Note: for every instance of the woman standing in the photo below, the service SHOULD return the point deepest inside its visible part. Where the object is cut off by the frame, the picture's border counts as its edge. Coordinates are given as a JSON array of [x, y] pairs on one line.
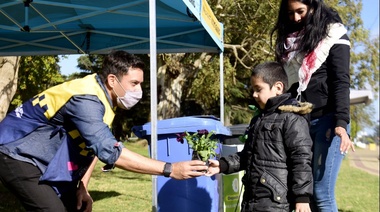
[[313, 46]]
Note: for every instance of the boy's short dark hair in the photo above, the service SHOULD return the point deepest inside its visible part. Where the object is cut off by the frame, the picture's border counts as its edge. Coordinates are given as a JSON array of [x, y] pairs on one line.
[[270, 73], [118, 62]]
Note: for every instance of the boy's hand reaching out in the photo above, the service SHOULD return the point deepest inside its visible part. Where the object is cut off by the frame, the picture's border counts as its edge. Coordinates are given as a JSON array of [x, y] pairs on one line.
[[213, 168]]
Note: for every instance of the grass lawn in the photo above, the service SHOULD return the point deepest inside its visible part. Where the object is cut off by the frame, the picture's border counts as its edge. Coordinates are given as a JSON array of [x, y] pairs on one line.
[[121, 190], [118, 190], [356, 190]]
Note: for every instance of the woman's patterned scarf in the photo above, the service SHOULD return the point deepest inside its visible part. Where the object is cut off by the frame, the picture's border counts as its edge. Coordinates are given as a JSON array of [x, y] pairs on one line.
[[300, 68]]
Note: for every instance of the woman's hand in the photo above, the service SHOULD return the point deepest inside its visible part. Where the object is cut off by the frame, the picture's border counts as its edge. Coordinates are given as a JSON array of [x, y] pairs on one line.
[[345, 143]]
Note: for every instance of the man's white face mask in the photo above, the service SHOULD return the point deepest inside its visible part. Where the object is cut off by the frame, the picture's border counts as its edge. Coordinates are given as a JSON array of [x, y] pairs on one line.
[[130, 98]]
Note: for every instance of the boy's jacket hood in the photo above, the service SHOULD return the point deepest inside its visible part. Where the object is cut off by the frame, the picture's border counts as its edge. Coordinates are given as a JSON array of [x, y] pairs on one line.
[[302, 108], [285, 103]]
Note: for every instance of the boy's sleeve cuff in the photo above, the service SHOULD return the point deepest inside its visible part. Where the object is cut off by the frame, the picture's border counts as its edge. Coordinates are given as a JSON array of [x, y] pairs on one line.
[[223, 165], [303, 199]]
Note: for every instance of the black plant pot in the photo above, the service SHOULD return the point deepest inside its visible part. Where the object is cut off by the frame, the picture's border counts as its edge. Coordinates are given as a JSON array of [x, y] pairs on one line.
[[197, 156]]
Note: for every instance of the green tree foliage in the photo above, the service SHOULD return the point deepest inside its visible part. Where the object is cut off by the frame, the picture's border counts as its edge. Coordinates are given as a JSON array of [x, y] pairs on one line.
[[247, 26], [247, 29], [361, 118], [36, 74], [87, 64], [364, 49], [188, 84], [90, 63], [206, 92], [193, 79], [376, 133], [364, 70]]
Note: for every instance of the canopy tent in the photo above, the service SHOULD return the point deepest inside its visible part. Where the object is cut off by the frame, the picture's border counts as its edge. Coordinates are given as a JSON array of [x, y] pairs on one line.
[[43, 27], [59, 27]]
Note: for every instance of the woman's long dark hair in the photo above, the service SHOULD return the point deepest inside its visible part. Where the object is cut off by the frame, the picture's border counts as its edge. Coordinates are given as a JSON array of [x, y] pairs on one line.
[[318, 17]]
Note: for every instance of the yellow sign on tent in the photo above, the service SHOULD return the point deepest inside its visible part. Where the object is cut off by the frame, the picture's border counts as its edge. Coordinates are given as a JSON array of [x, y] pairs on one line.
[[210, 19]]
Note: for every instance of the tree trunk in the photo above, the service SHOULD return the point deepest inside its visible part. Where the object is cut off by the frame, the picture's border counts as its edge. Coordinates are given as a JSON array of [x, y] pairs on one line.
[[174, 78], [8, 82], [170, 94]]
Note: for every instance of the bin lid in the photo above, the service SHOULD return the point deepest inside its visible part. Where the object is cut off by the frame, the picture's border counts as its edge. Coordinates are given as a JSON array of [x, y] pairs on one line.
[[238, 129], [182, 124]]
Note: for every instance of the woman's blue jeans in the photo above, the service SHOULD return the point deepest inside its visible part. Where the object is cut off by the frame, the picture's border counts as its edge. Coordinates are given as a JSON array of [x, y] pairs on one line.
[[327, 159]]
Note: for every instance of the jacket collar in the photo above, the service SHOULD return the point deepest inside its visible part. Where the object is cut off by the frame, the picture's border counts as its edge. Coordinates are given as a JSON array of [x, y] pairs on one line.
[[104, 89], [285, 103]]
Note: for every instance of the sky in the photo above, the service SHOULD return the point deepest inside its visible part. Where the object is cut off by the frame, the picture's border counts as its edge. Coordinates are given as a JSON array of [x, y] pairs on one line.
[[370, 17]]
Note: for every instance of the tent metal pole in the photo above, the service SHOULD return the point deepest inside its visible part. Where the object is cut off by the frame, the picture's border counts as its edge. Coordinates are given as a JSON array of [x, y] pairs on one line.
[[26, 25], [153, 94], [221, 74]]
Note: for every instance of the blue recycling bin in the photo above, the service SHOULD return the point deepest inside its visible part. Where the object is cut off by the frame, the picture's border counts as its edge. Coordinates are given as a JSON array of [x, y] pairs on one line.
[[199, 194]]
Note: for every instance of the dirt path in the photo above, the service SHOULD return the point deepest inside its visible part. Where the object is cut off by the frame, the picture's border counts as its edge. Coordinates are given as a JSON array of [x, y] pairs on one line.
[[365, 159]]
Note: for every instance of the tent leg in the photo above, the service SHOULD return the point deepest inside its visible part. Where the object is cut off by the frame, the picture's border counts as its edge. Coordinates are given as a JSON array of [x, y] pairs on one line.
[[153, 91], [221, 69]]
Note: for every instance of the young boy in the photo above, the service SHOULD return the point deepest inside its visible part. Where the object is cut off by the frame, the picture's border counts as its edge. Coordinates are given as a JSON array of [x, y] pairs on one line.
[[277, 154]]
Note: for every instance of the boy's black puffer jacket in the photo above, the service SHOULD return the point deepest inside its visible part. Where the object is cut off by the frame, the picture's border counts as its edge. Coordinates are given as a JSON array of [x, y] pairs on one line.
[[276, 157]]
